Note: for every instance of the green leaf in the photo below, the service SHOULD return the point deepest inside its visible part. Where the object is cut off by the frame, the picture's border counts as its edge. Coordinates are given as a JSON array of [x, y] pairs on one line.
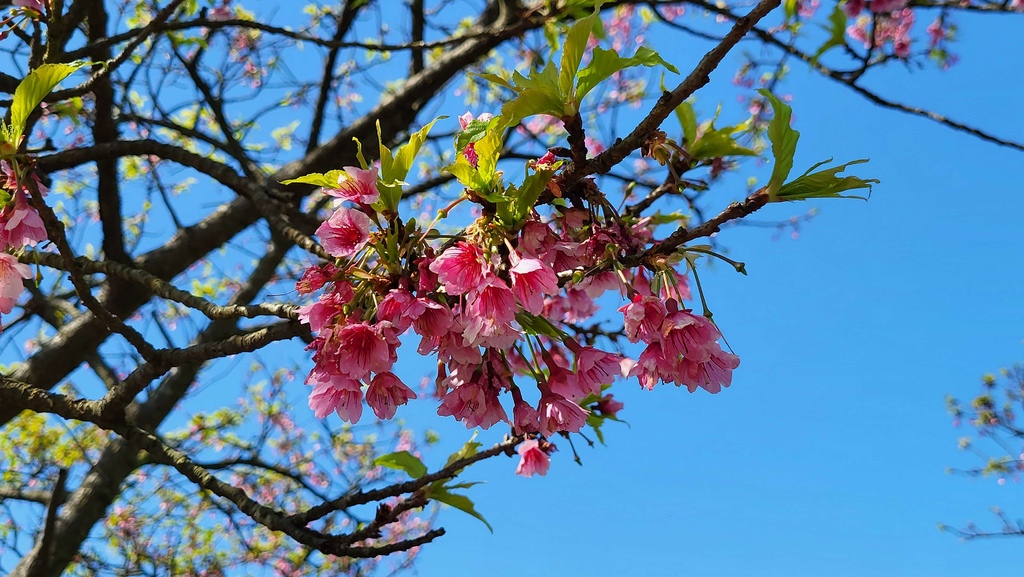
[[608, 62], [31, 91], [386, 158], [487, 150], [783, 139], [537, 95], [402, 461], [536, 325], [461, 502], [715, 143], [474, 131], [495, 79], [359, 154], [572, 53], [531, 103], [464, 172], [688, 121], [472, 447], [406, 154], [595, 422], [519, 201], [837, 30], [789, 9], [326, 180], [825, 183]]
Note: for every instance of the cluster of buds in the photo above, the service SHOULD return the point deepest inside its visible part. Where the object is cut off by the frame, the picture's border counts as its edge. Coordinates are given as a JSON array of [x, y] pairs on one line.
[[500, 307]]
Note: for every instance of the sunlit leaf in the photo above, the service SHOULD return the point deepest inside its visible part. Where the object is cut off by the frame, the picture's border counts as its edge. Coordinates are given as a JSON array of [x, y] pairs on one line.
[[608, 62], [783, 139], [825, 183], [463, 503], [402, 461], [31, 91]]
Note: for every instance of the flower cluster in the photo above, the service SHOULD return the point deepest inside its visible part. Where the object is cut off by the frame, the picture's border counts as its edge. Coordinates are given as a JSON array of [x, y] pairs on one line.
[[500, 306], [20, 226]]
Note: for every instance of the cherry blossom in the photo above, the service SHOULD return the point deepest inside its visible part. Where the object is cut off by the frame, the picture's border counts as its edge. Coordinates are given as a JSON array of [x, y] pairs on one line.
[[345, 233]]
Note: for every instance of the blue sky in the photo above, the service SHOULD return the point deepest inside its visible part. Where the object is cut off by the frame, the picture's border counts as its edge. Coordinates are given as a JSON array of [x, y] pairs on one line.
[[827, 455]]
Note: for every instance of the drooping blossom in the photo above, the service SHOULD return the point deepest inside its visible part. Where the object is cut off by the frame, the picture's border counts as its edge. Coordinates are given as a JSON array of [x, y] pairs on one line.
[[473, 404], [642, 318], [357, 185], [315, 277], [686, 335], [558, 413], [345, 233], [434, 321], [11, 286], [594, 367], [609, 407], [20, 224], [652, 367], [385, 393], [563, 381], [362, 348], [524, 417], [336, 393], [710, 373], [490, 312], [400, 308], [460, 268], [531, 280], [328, 307], [534, 461]]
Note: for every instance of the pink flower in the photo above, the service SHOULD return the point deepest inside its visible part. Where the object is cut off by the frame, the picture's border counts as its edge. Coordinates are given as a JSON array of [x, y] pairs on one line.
[[534, 460], [853, 7], [643, 318], [687, 335], [536, 238], [491, 310], [328, 307], [220, 13], [886, 6], [558, 413], [338, 394], [345, 233], [427, 281], [451, 346], [11, 286], [461, 268], [357, 185], [580, 306], [474, 405], [652, 366], [594, 367], [435, 320], [20, 224], [531, 280], [37, 5], [362, 349], [710, 373], [315, 277], [386, 393], [564, 382], [400, 308], [524, 417], [609, 407]]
